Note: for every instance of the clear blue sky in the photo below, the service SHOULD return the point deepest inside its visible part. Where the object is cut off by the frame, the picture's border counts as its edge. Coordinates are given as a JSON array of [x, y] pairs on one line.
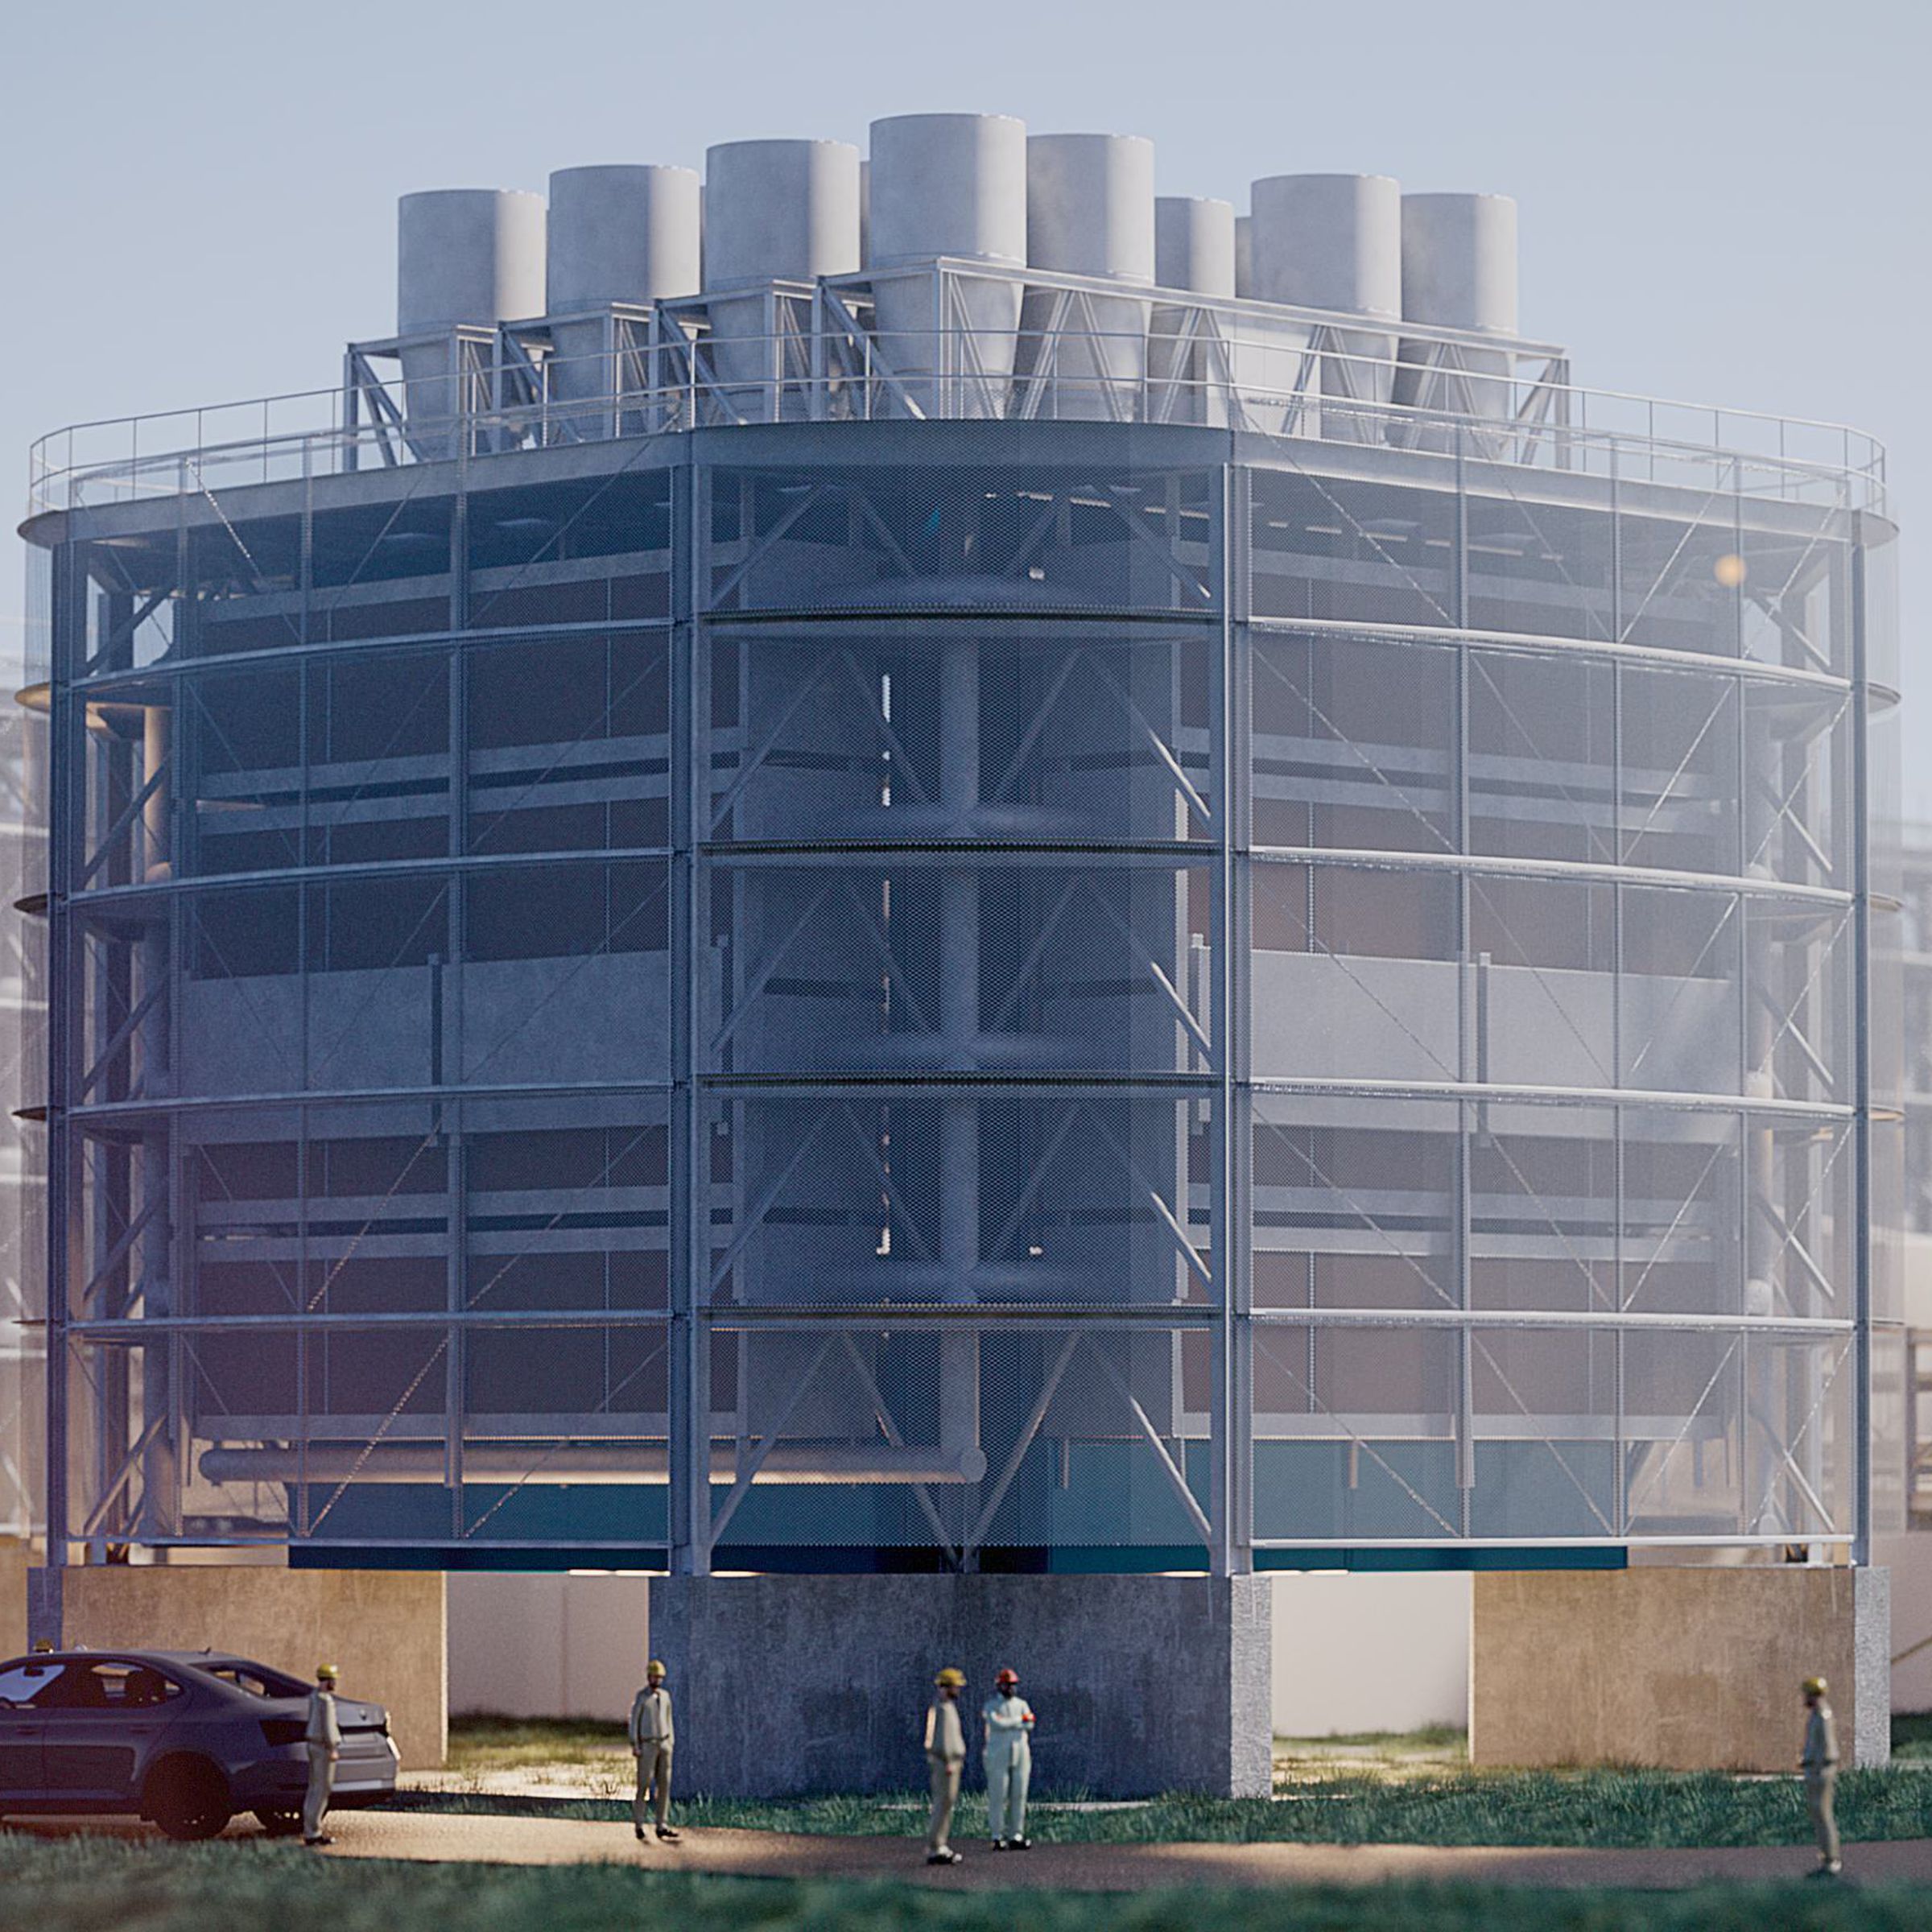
[[1722, 199]]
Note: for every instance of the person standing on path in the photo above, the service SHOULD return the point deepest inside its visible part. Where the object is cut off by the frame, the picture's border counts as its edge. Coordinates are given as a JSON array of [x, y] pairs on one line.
[[1818, 1761], [323, 1735], [945, 1759], [652, 1737], [1006, 1720]]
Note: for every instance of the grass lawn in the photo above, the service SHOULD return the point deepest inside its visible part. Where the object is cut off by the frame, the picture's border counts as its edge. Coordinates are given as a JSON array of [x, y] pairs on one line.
[[512, 1744], [1408, 1788], [91, 1884]]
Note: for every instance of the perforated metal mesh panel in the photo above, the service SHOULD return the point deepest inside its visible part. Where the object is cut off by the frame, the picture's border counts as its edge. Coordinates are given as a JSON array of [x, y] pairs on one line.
[[1020, 993]]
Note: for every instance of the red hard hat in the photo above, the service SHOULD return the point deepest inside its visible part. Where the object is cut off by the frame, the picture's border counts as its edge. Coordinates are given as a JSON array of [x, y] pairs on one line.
[[1007, 1677]]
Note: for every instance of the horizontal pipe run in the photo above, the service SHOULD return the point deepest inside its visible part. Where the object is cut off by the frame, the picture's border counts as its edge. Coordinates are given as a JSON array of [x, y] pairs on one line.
[[575, 1463]]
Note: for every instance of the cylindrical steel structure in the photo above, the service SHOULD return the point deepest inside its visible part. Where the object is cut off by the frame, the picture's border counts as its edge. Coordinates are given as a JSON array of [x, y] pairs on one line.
[[624, 233], [468, 255], [1459, 272], [1334, 242], [954, 186], [1020, 993], [1459, 262], [774, 211], [1188, 362], [1194, 245], [1330, 242], [465, 257], [1089, 212], [621, 234]]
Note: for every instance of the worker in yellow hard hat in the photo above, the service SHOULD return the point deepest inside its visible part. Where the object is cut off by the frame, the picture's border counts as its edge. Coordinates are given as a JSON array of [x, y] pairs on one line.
[[1818, 1761], [945, 1759], [652, 1736], [323, 1737]]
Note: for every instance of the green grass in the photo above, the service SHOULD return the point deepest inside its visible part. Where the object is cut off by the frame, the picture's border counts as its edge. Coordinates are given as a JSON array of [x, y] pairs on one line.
[[91, 1884], [510, 1743], [1432, 1738], [1912, 1737], [1595, 1808]]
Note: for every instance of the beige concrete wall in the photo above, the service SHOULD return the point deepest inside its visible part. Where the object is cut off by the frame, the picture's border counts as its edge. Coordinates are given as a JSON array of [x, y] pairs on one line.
[[1909, 1559], [14, 1559], [1370, 1652], [1694, 1669], [531, 1645], [385, 1628]]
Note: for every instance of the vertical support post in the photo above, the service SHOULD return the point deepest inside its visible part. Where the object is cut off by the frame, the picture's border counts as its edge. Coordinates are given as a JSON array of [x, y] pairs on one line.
[[1469, 1020], [1861, 1033], [1230, 1505], [689, 1448], [447, 1014], [67, 776]]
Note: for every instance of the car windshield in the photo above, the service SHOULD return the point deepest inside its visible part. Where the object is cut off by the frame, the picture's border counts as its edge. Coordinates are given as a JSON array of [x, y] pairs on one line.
[[256, 1680]]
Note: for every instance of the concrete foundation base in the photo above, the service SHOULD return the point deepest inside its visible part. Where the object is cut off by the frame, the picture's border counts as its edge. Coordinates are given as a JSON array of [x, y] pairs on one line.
[[385, 1628], [1691, 1669], [14, 1567], [786, 1686]]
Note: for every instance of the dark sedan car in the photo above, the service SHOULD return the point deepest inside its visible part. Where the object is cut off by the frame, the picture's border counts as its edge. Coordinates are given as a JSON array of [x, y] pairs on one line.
[[185, 1738]]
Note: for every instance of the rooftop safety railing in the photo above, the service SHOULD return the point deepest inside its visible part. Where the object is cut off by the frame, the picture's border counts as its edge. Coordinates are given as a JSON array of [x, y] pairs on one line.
[[955, 342]]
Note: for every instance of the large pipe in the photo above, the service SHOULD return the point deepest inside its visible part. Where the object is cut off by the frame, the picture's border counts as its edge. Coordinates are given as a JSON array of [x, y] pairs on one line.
[[465, 257], [774, 211], [948, 185], [1334, 242], [617, 234], [1459, 271], [1187, 368], [1089, 212], [787, 1463]]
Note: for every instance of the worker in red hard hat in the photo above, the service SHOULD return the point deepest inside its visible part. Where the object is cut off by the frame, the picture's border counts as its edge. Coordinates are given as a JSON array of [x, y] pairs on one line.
[[1006, 1720]]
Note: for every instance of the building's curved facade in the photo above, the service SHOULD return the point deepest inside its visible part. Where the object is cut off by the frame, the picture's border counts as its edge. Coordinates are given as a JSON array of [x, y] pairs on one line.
[[1039, 994]]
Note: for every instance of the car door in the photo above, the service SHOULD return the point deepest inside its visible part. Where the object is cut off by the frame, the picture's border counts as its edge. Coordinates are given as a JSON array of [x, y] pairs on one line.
[[101, 1722], [20, 1727]]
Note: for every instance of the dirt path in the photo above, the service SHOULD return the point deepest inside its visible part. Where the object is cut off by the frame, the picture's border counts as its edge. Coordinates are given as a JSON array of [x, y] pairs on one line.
[[1091, 1868]]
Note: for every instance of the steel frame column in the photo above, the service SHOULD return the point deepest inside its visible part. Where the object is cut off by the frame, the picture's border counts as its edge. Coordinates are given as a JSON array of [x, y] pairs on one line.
[[1861, 1032], [65, 1228], [1231, 1501], [689, 1386]]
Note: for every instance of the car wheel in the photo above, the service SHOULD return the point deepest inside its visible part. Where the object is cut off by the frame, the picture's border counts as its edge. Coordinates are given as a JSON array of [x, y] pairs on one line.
[[187, 1798], [279, 1824]]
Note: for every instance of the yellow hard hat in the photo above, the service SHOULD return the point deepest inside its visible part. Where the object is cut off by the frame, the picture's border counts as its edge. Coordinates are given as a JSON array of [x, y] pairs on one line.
[[950, 1679], [327, 1673], [1814, 1687], [653, 1669]]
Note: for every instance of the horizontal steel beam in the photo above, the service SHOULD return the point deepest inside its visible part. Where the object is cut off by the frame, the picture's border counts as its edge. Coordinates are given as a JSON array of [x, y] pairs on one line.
[[574, 1463]]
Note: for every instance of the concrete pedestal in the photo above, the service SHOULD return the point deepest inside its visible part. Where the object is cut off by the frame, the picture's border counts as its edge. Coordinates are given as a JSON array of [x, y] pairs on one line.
[[385, 1628], [1689, 1669], [786, 1686]]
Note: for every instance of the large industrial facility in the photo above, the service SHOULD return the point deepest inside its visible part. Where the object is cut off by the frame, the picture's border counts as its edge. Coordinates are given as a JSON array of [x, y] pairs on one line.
[[929, 865]]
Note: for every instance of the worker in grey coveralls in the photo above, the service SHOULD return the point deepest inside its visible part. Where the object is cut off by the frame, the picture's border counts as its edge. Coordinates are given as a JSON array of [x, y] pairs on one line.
[[1818, 1761], [323, 1735], [652, 1736], [1006, 1718], [945, 1759]]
